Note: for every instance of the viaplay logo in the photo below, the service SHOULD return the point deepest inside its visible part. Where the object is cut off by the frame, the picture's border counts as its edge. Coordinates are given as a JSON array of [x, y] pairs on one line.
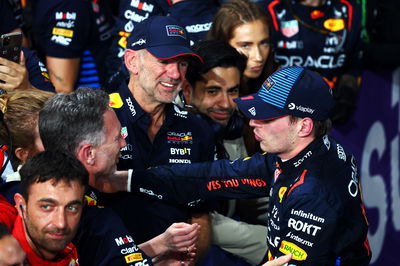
[[300, 108]]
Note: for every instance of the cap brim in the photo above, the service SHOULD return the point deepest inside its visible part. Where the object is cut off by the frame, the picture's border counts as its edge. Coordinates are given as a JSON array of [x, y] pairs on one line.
[[172, 51], [253, 107]]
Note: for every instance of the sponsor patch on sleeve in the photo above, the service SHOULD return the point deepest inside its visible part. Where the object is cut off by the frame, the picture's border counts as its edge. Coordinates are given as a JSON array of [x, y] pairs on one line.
[[297, 252], [63, 32], [133, 257]]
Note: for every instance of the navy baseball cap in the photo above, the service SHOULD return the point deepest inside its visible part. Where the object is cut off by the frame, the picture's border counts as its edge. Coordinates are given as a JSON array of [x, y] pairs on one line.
[[294, 91], [162, 36]]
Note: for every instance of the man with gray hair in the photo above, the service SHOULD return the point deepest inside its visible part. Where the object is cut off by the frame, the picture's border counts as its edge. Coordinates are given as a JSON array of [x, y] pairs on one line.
[[83, 125], [157, 131]]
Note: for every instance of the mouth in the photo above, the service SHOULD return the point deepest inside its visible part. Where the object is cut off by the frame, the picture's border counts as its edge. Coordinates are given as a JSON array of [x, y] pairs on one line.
[[57, 236], [258, 138], [256, 68], [221, 115], [170, 86]]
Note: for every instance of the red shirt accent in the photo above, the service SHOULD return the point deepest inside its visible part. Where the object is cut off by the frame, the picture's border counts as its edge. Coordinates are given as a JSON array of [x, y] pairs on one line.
[[67, 257]]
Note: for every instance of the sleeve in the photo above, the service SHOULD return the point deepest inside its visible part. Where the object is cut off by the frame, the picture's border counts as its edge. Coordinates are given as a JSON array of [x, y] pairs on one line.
[[67, 29], [308, 230], [103, 240], [38, 75], [193, 183]]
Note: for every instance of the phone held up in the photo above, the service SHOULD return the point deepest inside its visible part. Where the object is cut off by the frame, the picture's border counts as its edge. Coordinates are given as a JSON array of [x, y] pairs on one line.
[[10, 46]]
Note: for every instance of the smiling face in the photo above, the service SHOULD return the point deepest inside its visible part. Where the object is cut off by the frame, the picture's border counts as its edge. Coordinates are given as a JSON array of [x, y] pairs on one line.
[[159, 79], [51, 215], [252, 40], [214, 94]]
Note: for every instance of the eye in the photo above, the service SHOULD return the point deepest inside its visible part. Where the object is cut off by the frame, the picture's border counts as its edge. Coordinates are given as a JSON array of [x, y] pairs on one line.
[[233, 92], [46, 207], [73, 208], [265, 43], [244, 45], [212, 91], [184, 64]]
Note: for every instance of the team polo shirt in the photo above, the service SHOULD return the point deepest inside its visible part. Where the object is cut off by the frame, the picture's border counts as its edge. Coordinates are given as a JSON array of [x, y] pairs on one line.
[[75, 29], [38, 75], [182, 139], [102, 238], [325, 39]]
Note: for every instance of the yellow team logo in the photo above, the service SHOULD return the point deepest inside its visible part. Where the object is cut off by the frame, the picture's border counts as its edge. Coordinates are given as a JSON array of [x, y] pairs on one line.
[[133, 257], [281, 193], [334, 24], [270, 256], [115, 100], [297, 252], [90, 201], [63, 32]]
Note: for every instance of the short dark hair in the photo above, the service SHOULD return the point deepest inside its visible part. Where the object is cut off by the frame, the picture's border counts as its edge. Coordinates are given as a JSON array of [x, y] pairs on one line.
[[4, 231], [215, 53], [51, 165], [67, 120]]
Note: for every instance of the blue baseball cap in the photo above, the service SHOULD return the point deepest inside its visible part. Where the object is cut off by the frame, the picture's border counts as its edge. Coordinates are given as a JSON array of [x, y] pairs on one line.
[[294, 91], [162, 36]]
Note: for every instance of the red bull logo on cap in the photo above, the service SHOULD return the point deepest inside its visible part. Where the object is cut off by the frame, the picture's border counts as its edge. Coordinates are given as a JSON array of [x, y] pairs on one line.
[[175, 30]]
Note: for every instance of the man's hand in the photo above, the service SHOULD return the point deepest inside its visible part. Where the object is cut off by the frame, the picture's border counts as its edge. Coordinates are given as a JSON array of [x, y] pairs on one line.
[[15, 76], [279, 261], [179, 238]]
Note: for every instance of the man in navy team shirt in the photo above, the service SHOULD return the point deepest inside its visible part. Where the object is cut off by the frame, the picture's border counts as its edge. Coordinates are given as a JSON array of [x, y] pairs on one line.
[[156, 131]]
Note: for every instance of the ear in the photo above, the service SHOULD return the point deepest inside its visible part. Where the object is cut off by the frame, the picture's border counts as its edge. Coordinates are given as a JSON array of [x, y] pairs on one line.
[[306, 127], [86, 155], [20, 203], [22, 154], [187, 91], [131, 59]]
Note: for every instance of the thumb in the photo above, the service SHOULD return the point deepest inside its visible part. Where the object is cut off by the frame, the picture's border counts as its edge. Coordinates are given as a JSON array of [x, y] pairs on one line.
[[22, 59]]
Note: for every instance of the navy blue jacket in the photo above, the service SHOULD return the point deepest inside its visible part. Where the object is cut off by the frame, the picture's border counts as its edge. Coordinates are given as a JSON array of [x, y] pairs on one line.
[[315, 211]]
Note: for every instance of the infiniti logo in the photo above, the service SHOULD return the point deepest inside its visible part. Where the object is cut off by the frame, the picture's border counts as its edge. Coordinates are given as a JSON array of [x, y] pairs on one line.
[[291, 106]]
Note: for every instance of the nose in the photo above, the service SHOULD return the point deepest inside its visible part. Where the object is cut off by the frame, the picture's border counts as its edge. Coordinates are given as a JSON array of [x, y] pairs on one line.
[[173, 70], [60, 220], [256, 55], [252, 123], [225, 101]]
